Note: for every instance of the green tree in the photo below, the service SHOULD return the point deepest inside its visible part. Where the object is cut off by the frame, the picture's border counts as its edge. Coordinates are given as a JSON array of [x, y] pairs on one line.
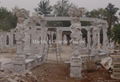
[[7, 20], [111, 17], [116, 34], [97, 13], [108, 14], [44, 7], [61, 8]]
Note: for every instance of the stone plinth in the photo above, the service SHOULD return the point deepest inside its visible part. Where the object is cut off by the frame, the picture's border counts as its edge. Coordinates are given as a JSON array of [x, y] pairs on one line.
[[19, 64], [75, 67]]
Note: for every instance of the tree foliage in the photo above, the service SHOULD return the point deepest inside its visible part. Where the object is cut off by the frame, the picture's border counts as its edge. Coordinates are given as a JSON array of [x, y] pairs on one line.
[[97, 13], [7, 20], [108, 14], [44, 7], [116, 34], [61, 8], [111, 17]]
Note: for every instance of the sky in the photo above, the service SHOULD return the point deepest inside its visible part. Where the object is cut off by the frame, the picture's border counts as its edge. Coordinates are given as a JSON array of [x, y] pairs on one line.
[[31, 4]]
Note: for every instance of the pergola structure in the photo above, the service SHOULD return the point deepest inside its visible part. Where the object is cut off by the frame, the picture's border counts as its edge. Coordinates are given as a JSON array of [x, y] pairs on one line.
[[31, 40], [94, 30]]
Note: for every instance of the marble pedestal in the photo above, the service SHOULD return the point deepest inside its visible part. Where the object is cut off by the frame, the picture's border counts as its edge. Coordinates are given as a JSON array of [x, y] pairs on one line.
[[76, 67], [19, 64]]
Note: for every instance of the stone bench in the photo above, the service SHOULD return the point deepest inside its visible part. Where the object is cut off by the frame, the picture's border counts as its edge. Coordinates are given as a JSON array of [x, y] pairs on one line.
[[19, 64], [6, 64], [33, 61], [39, 59], [27, 62]]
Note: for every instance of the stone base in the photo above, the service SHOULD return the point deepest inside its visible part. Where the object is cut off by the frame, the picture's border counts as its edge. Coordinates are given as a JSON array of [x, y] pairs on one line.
[[19, 64], [94, 52], [75, 72], [76, 67]]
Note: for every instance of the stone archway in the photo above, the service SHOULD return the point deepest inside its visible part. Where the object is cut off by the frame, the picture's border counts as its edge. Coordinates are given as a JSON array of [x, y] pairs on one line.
[[51, 34], [67, 34], [84, 35]]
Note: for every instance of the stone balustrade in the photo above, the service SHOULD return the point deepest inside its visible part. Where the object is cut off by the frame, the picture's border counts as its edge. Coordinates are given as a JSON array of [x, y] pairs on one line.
[[115, 66]]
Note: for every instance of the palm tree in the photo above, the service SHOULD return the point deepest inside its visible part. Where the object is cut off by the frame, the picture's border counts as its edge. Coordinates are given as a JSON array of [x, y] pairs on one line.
[[44, 7]]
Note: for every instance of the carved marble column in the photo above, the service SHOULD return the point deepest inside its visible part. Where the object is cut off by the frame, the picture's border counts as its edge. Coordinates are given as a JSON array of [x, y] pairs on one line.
[[76, 37], [76, 61], [44, 38], [19, 62], [94, 50], [59, 41], [11, 40], [0, 39], [95, 38], [59, 36], [19, 43], [88, 38], [64, 39], [27, 41], [98, 44], [4, 39], [105, 37]]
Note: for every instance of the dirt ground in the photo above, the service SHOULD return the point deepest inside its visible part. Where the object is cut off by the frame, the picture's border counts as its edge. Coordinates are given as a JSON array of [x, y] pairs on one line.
[[65, 54], [52, 72]]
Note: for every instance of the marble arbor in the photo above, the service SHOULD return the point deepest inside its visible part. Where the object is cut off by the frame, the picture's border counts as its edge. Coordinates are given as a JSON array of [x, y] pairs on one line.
[[31, 38]]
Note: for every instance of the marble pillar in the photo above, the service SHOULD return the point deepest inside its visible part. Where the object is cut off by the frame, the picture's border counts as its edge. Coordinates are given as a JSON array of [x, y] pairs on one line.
[[59, 41], [4, 39], [105, 38], [59, 36], [39, 35], [11, 40], [1, 40], [19, 43], [35, 41], [27, 42], [65, 39], [75, 62], [98, 44], [88, 38], [94, 50], [95, 38], [44, 45]]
